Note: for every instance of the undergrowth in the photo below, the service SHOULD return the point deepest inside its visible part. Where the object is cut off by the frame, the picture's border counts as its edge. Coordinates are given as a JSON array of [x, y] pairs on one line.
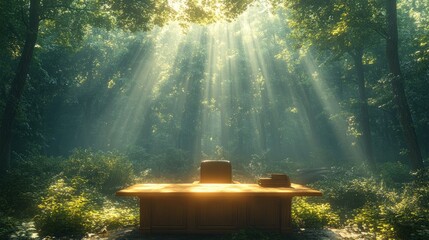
[[381, 204], [75, 196]]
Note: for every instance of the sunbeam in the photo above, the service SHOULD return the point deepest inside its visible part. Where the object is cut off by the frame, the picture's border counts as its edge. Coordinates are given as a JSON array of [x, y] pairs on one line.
[[218, 91], [331, 104], [157, 56]]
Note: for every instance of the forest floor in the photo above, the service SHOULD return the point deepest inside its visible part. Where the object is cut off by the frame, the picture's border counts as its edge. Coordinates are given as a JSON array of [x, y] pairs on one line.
[[301, 234], [349, 233]]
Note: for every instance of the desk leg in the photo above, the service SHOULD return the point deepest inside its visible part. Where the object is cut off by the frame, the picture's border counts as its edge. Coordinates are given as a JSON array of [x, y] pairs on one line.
[[145, 215], [286, 215]]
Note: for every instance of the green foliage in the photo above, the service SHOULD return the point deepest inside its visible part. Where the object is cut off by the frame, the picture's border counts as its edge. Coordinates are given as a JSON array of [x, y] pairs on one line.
[[404, 217], [373, 218], [372, 206], [64, 210], [106, 172], [67, 23], [337, 25], [113, 215], [350, 189], [71, 209], [21, 187], [306, 214], [140, 15], [394, 172], [7, 226], [355, 193], [70, 197], [411, 211]]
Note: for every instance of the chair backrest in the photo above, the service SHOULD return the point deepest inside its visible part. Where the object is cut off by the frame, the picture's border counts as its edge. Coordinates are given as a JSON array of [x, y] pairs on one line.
[[215, 171]]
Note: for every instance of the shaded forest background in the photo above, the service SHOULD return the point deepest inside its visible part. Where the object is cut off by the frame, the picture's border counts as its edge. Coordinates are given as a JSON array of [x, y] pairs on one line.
[[270, 86]]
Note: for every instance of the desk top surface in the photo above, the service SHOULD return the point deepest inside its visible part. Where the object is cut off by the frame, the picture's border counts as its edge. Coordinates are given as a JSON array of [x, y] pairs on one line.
[[169, 189]]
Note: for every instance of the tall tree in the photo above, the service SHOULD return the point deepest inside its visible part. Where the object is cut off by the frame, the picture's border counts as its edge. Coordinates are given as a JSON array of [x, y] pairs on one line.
[[398, 88], [18, 83]]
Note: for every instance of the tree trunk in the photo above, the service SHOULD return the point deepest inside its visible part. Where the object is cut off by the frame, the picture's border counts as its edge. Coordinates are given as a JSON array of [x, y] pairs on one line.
[[403, 108], [17, 86], [363, 110]]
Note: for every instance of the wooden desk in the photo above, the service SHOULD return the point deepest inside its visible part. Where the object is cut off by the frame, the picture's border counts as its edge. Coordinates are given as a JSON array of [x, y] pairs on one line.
[[214, 208]]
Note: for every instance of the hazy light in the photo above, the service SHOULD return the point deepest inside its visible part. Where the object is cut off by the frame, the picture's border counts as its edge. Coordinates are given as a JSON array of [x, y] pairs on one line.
[[331, 105], [239, 83]]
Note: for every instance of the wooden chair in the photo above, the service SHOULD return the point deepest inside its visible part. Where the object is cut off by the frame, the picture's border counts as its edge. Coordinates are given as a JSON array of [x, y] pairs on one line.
[[216, 171]]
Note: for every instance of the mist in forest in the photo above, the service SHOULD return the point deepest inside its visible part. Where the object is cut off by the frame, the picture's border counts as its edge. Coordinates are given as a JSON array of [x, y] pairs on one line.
[[240, 90]]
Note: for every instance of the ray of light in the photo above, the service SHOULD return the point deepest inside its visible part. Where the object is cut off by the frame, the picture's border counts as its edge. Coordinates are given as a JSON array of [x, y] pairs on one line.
[[331, 104], [246, 102], [152, 72]]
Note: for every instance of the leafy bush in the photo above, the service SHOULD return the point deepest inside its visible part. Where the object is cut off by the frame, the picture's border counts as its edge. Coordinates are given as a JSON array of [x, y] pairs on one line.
[[69, 208], [374, 218], [401, 214], [394, 172], [76, 201], [64, 210], [411, 210], [7, 226], [348, 190], [312, 215], [113, 215], [21, 187], [107, 172]]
